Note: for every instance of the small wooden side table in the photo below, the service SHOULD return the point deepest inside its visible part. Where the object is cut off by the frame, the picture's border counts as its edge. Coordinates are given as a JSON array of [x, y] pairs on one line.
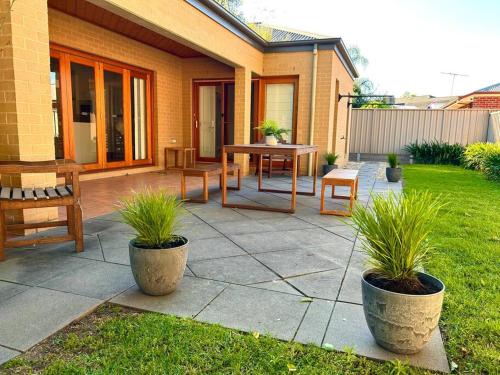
[[180, 150], [340, 177]]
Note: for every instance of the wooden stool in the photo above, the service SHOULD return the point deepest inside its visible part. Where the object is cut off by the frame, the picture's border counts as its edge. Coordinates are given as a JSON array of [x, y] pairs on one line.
[[178, 150], [204, 170], [340, 177]]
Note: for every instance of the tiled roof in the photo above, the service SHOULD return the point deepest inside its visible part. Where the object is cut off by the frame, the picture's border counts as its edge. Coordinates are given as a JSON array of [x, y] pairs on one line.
[[283, 34], [491, 88]]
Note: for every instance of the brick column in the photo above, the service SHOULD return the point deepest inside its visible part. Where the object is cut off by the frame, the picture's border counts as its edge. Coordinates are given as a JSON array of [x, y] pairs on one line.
[[26, 129], [242, 106]]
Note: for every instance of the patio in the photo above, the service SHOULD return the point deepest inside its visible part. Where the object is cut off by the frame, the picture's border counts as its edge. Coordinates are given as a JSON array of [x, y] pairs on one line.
[[294, 277]]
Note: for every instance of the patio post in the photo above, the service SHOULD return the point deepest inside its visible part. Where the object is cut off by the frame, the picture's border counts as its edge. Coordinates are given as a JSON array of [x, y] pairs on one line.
[[242, 106], [27, 131]]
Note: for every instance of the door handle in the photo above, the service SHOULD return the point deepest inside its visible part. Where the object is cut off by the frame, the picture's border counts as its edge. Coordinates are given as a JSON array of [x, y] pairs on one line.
[[196, 124]]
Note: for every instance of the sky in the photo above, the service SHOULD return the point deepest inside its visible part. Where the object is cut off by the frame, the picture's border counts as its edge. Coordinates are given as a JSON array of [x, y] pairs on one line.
[[408, 43]]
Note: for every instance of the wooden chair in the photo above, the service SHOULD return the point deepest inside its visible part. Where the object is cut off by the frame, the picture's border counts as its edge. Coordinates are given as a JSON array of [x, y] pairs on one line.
[[67, 195], [283, 159]]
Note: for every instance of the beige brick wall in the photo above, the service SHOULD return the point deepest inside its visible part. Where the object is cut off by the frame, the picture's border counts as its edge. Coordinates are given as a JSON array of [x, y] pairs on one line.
[[242, 105], [25, 106]]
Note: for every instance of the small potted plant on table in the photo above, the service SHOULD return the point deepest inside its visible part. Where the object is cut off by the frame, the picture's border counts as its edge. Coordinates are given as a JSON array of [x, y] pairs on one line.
[[157, 255], [272, 132], [330, 165], [393, 172], [402, 304]]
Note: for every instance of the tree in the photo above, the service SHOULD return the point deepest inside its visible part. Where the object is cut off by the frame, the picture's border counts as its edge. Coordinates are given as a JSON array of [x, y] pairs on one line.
[[233, 6], [357, 58]]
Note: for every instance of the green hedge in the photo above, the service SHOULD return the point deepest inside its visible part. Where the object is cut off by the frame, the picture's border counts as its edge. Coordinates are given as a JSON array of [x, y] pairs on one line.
[[435, 152], [484, 157]]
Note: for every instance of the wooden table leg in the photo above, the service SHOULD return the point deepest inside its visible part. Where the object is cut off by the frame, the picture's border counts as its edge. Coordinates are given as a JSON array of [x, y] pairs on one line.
[[184, 165], [183, 186], [294, 182], [224, 177], [166, 159], [322, 201], [176, 158], [270, 167], [205, 187], [315, 171], [259, 163]]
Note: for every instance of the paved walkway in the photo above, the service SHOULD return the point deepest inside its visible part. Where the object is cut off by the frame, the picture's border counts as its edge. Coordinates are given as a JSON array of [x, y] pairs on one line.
[[295, 277]]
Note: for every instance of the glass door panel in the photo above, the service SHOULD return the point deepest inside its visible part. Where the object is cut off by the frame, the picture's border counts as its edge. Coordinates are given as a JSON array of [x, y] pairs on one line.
[[138, 102], [55, 93], [209, 98], [113, 115], [84, 113], [279, 106]]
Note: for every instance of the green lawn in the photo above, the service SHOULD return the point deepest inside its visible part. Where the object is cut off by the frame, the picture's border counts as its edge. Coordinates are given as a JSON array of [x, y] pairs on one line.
[[467, 239], [117, 341], [467, 259]]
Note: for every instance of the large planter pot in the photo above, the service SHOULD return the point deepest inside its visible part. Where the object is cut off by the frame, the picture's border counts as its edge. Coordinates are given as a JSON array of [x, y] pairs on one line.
[[393, 174], [327, 168], [158, 272], [402, 323], [271, 140]]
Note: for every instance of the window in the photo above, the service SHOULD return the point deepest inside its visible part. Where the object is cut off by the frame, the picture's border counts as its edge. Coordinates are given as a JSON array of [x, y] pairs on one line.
[[279, 102], [101, 110]]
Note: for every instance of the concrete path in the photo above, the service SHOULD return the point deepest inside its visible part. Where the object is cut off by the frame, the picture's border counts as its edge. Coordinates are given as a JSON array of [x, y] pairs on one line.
[[294, 277]]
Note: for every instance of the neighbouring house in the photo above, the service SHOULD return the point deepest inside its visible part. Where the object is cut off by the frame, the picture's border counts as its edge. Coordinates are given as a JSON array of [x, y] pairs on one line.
[[424, 101], [485, 98], [110, 83]]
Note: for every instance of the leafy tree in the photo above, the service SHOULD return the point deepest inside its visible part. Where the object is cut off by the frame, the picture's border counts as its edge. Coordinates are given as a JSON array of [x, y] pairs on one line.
[[233, 6], [357, 58]]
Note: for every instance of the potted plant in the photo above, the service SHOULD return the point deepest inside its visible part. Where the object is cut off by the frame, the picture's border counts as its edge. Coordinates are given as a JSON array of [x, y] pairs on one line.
[[330, 165], [272, 132], [157, 255], [402, 303], [393, 172]]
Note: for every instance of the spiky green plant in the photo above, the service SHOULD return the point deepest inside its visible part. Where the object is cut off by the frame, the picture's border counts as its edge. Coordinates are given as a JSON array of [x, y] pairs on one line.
[[154, 215], [436, 152], [392, 159], [396, 230], [331, 158]]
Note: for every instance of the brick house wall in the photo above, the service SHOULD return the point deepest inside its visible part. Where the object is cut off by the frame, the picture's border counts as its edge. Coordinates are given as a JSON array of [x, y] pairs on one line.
[[487, 102]]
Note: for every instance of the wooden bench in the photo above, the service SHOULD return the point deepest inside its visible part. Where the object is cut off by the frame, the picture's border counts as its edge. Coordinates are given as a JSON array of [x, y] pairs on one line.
[[204, 170], [15, 198], [340, 177]]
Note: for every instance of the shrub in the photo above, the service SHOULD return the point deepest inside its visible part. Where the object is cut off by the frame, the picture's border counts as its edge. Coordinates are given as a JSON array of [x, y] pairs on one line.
[[395, 231], [271, 127], [475, 154], [154, 216], [491, 166], [331, 158], [392, 159], [436, 152]]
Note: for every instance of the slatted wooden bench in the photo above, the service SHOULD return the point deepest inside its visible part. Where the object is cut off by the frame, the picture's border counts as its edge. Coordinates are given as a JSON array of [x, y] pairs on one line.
[[68, 195], [204, 170], [340, 177]]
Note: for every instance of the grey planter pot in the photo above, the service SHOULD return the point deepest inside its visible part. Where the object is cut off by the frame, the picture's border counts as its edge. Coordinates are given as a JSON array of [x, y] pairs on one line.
[[393, 174], [328, 168], [158, 272], [402, 323]]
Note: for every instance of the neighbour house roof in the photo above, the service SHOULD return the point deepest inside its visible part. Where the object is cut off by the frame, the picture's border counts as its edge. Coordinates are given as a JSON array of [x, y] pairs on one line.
[[273, 33], [465, 100], [285, 40], [426, 101]]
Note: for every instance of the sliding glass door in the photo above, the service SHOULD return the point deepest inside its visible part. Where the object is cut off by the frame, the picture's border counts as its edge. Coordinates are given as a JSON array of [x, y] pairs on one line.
[[101, 112]]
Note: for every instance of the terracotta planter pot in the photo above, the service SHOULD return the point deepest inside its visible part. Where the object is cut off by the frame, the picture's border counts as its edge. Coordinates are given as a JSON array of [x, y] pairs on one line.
[[393, 174], [402, 323], [271, 140], [328, 168], [158, 272]]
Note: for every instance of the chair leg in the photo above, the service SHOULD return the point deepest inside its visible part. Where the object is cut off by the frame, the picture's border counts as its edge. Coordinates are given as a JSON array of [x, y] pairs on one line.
[[270, 168], [3, 234], [71, 220], [183, 186], [333, 191], [78, 227], [239, 179], [205, 187], [322, 201]]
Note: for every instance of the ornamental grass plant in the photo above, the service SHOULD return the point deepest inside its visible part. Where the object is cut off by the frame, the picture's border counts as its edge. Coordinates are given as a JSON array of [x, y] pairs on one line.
[[154, 214]]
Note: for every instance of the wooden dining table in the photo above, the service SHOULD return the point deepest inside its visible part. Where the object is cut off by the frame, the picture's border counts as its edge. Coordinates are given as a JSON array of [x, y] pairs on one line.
[[294, 151]]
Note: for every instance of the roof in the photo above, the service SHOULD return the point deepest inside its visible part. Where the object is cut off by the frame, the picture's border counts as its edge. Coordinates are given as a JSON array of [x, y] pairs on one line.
[[426, 101], [492, 88], [273, 33], [220, 15]]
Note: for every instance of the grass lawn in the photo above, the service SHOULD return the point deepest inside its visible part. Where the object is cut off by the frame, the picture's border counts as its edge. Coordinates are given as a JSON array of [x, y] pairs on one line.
[[467, 260], [114, 340]]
